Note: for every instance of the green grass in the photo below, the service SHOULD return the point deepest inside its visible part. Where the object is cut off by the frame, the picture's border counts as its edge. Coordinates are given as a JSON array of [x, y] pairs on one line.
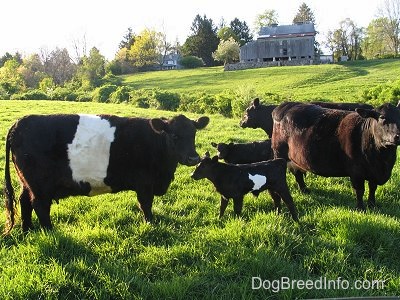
[[100, 247], [336, 82]]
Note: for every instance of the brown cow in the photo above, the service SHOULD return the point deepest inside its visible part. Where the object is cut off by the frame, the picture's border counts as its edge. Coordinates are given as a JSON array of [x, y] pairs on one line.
[[361, 145]]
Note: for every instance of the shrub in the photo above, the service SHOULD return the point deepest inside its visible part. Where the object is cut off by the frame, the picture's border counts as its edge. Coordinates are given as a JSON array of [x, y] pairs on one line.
[[140, 98], [223, 103], [102, 93], [242, 98], [4, 95], [30, 95], [191, 62], [382, 93], [61, 93], [121, 94], [166, 100], [84, 96], [110, 78]]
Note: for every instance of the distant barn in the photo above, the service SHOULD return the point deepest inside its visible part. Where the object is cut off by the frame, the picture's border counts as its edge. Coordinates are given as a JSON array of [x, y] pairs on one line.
[[281, 43]]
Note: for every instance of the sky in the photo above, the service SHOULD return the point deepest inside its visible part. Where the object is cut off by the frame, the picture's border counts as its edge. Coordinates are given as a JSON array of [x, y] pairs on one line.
[[27, 26]]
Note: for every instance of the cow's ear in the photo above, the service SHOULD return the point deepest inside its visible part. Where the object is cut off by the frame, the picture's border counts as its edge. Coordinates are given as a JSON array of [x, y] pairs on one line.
[[207, 154], [398, 104], [256, 102], [214, 159], [367, 113], [158, 125], [201, 122]]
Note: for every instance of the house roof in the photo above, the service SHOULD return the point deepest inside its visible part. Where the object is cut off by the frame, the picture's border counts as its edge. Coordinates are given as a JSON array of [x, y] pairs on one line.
[[294, 30]]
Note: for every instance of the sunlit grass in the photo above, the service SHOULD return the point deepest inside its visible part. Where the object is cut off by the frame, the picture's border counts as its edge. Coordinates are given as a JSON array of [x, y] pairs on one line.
[[100, 247]]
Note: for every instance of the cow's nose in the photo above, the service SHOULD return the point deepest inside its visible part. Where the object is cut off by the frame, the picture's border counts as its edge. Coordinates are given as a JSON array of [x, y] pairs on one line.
[[193, 160]]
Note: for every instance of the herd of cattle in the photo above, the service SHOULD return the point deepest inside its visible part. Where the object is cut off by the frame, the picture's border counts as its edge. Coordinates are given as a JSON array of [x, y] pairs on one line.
[[56, 156]]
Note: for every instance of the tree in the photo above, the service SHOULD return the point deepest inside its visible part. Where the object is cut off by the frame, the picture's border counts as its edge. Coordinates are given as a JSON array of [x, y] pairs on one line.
[[10, 80], [128, 39], [203, 41], [226, 33], [145, 51], [376, 43], [227, 51], [32, 70], [346, 40], [242, 31], [92, 69], [267, 18], [58, 65], [390, 10], [304, 15]]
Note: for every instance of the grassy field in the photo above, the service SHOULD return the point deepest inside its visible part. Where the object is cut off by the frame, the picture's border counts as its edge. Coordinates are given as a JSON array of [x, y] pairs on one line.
[[100, 247], [338, 82]]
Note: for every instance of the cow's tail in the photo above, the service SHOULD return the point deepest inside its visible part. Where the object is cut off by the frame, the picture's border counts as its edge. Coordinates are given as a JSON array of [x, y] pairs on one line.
[[8, 189]]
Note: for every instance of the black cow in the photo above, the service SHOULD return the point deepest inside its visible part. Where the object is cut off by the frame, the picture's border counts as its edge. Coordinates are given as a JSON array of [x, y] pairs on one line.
[[244, 153], [260, 116], [361, 145], [65, 155], [234, 181], [342, 106]]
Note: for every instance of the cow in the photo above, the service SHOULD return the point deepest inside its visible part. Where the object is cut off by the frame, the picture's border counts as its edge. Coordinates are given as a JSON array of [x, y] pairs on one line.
[[235, 181], [62, 155], [260, 116], [361, 145], [244, 153]]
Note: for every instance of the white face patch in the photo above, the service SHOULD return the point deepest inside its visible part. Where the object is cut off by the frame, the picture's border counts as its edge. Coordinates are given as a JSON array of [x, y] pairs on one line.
[[258, 180], [89, 152]]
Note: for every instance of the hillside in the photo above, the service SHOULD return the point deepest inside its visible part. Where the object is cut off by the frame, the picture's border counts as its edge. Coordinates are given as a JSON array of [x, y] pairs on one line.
[[335, 82]]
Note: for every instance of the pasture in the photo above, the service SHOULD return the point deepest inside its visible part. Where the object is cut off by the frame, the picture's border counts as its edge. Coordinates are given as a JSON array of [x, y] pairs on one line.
[[333, 82], [100, 247]]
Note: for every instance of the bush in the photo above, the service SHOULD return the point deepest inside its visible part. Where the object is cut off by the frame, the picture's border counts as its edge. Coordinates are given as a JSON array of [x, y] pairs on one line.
[[30, 95], [84, 96], [223, 103], [166, 100], [121, 94], [191, 62], [4, 95], [102, 93], [382, 93], [110, 78], [140, 98], [63, 93], [242, 98]]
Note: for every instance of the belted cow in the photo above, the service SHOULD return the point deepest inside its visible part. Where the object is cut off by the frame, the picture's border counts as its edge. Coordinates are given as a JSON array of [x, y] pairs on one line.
[[56, 156], [361, 145]]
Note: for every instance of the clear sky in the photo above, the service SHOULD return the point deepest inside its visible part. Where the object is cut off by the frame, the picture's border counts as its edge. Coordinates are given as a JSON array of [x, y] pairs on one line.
[[28, 25]]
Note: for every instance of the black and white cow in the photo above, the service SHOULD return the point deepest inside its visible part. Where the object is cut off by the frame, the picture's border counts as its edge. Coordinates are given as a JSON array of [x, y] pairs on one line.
[[235, 181], [244, 153], [65, 155]]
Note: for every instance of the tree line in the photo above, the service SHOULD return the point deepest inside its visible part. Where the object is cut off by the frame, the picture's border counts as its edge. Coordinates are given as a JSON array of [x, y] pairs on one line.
[[55, 75]]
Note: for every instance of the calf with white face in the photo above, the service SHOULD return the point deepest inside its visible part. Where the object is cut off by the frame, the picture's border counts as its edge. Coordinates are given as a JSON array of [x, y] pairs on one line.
[[235, 181], [65, 155]]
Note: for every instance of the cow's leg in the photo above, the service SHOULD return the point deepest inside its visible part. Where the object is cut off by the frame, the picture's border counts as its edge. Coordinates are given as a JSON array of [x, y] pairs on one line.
[[277, 200], [299, 175], [224, 204], [238, 205], [358, 187], [371, 196], [42, 210], [26, 209], [145, 197], [284, 192]]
